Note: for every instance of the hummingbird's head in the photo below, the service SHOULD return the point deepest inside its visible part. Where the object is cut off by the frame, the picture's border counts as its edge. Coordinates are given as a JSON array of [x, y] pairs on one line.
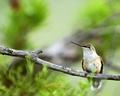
[[86, 47], [88, 50]]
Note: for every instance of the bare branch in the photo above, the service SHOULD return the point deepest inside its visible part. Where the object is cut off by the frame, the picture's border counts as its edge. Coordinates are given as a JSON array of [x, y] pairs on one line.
[[36, 59], [12, 52]]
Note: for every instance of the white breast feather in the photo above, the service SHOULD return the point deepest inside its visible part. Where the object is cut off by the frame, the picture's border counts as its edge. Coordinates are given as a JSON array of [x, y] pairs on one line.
[[90, 57]]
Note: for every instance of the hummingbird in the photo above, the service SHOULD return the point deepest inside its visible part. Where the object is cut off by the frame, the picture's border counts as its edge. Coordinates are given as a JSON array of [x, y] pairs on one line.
[[91, 63]]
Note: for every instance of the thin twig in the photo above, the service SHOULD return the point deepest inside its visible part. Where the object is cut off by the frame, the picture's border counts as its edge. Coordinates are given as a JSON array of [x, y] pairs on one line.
[[36, 59]]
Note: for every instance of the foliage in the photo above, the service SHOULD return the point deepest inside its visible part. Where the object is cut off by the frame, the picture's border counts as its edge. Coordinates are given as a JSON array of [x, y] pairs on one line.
[[43, 83], [94, 14], [21, 20], [103, 18]]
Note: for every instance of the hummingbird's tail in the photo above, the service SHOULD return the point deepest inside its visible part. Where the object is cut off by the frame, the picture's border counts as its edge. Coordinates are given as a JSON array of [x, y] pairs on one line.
[[96, 84]]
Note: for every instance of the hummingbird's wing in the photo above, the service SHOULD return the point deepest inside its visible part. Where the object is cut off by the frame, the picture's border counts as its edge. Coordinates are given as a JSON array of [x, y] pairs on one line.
[[101, 71], [83, 67]]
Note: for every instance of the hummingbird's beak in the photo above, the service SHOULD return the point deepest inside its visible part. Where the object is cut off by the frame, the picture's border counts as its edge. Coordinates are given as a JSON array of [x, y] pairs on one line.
[[78, 44]]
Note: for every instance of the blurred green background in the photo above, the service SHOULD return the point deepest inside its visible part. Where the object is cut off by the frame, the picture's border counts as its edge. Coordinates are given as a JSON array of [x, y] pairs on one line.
[[34, 24]]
